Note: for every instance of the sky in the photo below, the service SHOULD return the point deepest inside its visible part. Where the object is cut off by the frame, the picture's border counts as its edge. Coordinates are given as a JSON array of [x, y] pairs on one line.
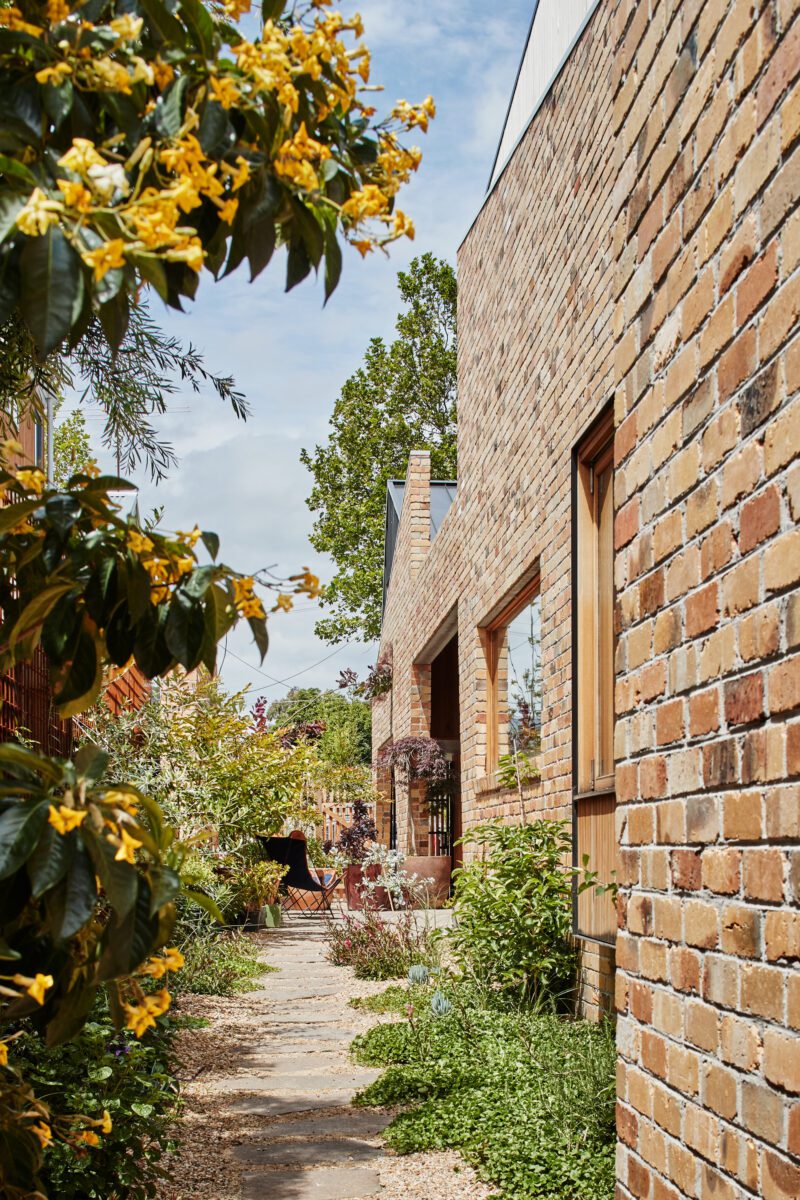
[[290, 356]]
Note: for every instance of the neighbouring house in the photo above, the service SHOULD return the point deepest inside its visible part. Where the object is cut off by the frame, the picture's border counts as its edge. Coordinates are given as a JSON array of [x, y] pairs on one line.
[[26, 698], [612, 587]]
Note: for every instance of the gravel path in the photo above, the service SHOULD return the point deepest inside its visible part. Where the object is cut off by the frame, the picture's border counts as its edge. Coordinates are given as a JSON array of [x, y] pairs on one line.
[[267, 1108]]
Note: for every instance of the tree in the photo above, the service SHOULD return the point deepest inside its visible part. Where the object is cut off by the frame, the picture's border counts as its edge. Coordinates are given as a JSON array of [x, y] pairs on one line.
[[137, 151], [346, 737], [72, 448], [403, 398]]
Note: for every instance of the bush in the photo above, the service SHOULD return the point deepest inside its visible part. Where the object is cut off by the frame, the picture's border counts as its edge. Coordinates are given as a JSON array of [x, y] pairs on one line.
[[219, 964], [376, 948], [527, 1098], [101, 1069], [513, 912]]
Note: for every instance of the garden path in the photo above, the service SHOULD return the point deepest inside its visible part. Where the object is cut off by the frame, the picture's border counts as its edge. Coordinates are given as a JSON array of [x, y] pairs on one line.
[[269, 1113]]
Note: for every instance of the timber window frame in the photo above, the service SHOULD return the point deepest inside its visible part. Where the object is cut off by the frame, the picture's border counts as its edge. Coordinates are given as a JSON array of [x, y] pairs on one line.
[[594, 797], [493, 637]]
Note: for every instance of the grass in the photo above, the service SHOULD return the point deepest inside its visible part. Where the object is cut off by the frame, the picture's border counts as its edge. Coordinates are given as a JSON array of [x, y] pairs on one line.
[[527, 1098], [220, 964]]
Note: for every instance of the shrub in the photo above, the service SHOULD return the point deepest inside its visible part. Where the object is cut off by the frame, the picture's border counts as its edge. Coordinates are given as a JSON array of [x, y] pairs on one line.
[[513, 911], [528, 1098], [219, 964], [376, 948], [130, 1078]]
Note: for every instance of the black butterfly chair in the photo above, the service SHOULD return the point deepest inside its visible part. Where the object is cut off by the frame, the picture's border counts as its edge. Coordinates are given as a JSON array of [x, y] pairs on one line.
[[291, 852]]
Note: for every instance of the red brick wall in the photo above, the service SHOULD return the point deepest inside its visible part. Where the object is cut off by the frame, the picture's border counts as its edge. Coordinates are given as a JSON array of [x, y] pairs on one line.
[[535, 368], [707, 115]]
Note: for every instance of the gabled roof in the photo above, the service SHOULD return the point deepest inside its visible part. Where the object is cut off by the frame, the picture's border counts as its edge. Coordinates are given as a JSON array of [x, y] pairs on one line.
[[443, 493], [555, 27]]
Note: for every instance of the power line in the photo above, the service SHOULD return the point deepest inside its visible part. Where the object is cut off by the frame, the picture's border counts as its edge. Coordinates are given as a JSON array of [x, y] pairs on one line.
[[278, 682]]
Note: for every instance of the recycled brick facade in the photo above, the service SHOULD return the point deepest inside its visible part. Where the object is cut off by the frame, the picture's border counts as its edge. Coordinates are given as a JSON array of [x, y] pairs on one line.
[[707, 489], [535, 338], [643, 245]]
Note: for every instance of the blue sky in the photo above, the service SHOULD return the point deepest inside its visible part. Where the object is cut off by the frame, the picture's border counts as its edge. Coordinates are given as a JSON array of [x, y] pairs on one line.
[[290, 356]]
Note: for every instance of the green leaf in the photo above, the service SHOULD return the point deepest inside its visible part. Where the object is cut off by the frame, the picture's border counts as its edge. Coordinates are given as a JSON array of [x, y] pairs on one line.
[[298, 265], [258, 627], [30, 621], [10, 205], [20, 829], [83, 679], [49, 862], [91, 762], [333, 264], [271, 9], [200, 24], [166, 885], [142, 1110], [12, 166], [79, 896], [6, 953], [98, 1074], [215, 132], [114, 318], [168, 114], [161, 18], [119, 879], [184, 629], [205, 902], [50, 272], [211, 542], [58, 101]]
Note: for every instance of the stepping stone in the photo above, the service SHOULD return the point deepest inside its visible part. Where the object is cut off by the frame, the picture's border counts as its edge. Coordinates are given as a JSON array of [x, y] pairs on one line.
[[279, 1106], [308, 1085], [328, 1033], [358, 1122], [312, 1012], [303, 1152], [337, 1183]]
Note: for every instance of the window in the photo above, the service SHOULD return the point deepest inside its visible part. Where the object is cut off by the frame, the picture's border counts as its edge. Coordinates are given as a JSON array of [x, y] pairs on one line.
[[513, 646], [593, 676]]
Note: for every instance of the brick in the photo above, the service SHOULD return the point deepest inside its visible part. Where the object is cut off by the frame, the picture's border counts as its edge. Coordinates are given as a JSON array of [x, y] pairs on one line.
[[719, 1088], [759, 519], [720, 437], [781, 1178], [744, 699], [702, 610], [782, 70], [782, 936], [740, 930], [738, 362], [759, 399], [762, 1111], [716, 550], [782, 562], [780, 318], [720, 981], [686, 869], [763, 991], [741, 588], [702, 1026], [740, 1043], [784, 685], [722, 871], [684, 970], [782, 1060], [742, 816], [758, 282], [763, 875], [738, 254], [701, 925]]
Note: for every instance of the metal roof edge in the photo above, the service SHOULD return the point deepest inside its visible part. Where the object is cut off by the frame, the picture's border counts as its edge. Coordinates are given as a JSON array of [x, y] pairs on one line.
[[579, 34], [513, 93]]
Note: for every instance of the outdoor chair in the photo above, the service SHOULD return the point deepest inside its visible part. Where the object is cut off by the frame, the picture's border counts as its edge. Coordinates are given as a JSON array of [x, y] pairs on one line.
[[299, 880]]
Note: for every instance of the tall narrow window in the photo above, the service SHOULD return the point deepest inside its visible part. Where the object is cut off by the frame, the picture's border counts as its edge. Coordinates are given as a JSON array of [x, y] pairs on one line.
[[513, 645], [593, 677]]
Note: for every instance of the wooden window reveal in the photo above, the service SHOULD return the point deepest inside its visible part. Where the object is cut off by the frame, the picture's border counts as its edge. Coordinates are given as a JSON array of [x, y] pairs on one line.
[[595, 825]]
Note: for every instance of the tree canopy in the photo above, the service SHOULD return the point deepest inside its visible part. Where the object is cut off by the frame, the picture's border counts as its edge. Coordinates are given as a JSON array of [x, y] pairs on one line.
[[403, 398], [346, 736]]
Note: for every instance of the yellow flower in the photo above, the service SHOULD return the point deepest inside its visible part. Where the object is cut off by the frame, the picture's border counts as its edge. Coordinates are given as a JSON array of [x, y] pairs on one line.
[[124, 800], [55, 74], [35, 987], [76, 195], [128, 845], [10, 446], [141, 1017], [163, 74], [138, 542], [403, 225], [127, 28], [38, 214], [32, 479], [57, 10], [364, 247], [88, 1136], [3, 1054], [228, 210], [225, 91], [236, 8], [42, 1132], [190, 538], [170, 960], [11, 18], [106, 1124], [242, 589], [284, 602], [64, 819], [252, 608], [106, 257], [369, 201], [240, 176], [81, 155], [190, 251]]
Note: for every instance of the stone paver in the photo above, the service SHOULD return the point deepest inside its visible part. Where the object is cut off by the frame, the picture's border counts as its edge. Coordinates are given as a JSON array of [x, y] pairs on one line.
[[296, 1062]]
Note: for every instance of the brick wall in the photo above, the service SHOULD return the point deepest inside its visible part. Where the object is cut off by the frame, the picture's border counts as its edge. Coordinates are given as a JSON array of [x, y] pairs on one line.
[[535, 368], [707, 490]]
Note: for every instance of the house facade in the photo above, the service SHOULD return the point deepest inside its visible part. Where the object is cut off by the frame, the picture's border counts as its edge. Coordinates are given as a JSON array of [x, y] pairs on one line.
[[611, 590]]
